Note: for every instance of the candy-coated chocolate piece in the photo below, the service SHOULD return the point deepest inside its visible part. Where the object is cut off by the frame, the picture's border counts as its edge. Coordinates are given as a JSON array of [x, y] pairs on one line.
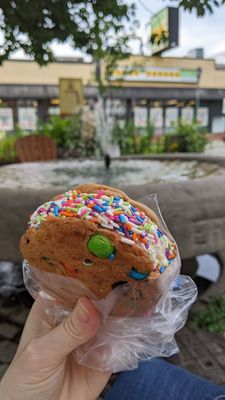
[[100, 246], [135, 274], [111, 256]]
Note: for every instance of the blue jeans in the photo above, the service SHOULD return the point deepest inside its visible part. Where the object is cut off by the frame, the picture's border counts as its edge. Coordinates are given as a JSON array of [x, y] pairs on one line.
[[160, 380]]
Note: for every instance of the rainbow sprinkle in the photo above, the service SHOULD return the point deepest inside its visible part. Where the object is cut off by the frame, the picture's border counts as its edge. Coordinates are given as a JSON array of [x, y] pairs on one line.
[[113, 213]]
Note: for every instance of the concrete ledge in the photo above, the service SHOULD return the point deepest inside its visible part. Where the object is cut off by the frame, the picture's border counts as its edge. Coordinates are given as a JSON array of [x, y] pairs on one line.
[[194, 212], [16, 205], [201, 157]]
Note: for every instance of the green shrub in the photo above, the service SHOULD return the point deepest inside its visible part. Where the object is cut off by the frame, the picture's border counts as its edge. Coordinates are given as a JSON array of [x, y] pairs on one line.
[[7, 146], [186, 138], [89, 146], [67, 133], [7, 149], [146, 140], [124, 137], [133, 141], [212, 317]]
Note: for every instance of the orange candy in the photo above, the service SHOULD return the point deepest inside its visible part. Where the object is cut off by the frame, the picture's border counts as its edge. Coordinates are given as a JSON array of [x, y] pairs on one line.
[[68, 214], [172, 255], [134, 236], [91, 205]]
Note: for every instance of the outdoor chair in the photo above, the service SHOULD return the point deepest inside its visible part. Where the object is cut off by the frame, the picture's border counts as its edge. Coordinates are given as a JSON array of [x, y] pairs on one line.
[[36, 148]]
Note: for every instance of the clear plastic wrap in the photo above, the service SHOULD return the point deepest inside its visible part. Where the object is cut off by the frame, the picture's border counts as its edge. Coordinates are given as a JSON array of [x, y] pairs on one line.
[[139, 321]]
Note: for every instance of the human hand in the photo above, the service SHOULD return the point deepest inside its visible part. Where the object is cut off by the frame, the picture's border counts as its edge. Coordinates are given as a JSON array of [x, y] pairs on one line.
[[43, 367]]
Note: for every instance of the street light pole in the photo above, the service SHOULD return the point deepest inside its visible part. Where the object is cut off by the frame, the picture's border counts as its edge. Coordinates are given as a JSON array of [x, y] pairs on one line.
[[197, 93], [103, 130]]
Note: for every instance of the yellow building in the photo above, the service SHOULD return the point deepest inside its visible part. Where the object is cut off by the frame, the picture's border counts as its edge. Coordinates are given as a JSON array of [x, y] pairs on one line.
[[156, 89]]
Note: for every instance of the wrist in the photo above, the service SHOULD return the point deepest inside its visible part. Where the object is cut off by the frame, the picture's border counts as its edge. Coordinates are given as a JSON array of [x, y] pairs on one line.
[[3, 395], [4, 391]]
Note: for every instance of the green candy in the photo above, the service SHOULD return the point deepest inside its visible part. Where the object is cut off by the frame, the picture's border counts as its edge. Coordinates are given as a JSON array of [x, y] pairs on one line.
[[100, 246]]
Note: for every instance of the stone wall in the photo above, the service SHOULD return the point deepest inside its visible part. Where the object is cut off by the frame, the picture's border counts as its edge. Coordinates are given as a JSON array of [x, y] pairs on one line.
[[194, 212]]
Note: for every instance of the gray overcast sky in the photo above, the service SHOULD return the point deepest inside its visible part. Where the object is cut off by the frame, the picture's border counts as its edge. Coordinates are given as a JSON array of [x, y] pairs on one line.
[[207, 32]]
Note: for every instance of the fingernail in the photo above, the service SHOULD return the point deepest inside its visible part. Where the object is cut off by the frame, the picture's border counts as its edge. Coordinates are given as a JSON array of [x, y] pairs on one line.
[[82, 312]]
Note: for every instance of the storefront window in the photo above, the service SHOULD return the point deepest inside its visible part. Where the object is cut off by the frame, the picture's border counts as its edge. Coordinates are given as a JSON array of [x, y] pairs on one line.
[[187, 115], [27, 118], [140, 117], [115, 111], [53, 111], [6, 119], [171, 118], [203, 116], [156, 118]]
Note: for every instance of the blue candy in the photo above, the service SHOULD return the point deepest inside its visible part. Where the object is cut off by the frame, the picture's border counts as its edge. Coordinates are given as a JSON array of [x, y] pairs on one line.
[[56, 211], [111, 256], [138, 276], [159, 233], [139, 218], [161, 269], [97, 208], [122, 219]]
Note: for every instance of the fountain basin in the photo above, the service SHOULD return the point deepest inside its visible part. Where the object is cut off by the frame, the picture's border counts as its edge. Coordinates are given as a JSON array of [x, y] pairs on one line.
[[123, 171]]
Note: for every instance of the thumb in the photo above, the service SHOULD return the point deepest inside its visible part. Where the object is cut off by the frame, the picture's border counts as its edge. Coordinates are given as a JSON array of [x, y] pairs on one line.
[[81, 325]]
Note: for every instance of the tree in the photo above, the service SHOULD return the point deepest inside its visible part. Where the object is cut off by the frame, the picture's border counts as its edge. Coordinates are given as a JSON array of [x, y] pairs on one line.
[[95, 26], [98, 27], [200, 6]]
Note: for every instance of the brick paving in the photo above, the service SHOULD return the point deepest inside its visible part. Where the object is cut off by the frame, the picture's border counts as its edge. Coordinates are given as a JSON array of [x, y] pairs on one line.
[[10, 330], [202, 353]]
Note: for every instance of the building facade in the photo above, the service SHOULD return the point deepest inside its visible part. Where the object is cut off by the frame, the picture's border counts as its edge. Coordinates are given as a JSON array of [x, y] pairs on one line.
[[155, 89]]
